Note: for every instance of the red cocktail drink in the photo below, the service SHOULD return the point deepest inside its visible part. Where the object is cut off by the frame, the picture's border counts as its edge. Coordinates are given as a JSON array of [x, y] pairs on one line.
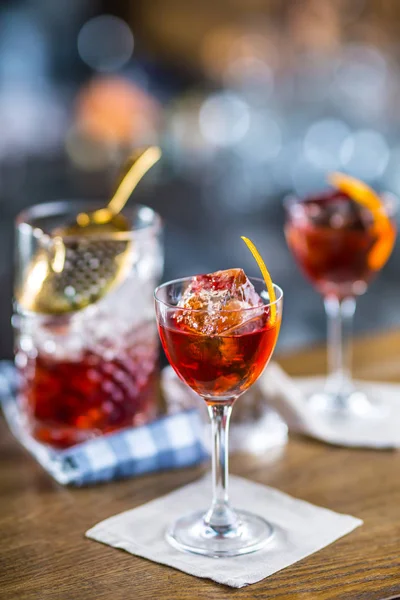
[[221, 335], [219, 366], [337, 243], [68, 400]]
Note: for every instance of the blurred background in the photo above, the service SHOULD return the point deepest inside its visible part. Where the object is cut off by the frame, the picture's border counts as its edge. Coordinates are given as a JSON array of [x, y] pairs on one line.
[[250, 99]]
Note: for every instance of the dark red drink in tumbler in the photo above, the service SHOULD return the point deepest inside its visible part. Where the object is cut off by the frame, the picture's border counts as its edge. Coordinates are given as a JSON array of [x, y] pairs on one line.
[[68, 400]]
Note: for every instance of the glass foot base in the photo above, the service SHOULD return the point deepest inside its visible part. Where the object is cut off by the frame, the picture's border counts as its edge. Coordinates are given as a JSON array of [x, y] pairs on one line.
[[353, 403], [191, 534]]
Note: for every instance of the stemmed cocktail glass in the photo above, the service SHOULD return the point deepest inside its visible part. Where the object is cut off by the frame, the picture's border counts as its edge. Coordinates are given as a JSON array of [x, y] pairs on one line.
[[219, 367], [341, 239]]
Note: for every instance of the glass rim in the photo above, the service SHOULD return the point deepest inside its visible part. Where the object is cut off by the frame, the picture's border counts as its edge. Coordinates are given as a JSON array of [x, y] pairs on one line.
[[390, 201], [59, 208], [202, 310]]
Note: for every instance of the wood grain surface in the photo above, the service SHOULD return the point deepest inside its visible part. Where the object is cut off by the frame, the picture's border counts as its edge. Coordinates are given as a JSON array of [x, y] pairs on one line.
[[44, 555]]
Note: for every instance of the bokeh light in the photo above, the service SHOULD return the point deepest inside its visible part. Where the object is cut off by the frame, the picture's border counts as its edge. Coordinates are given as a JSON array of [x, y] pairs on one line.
[[224, 119], [239, 56], [105, 43], [116, 110], [111, 114], [323, 142], [361, 81], [365, 154], [250, 73]]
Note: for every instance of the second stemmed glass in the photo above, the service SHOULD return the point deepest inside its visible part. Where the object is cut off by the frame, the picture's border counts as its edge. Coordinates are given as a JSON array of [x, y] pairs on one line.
[[219, 368], [339, 248]]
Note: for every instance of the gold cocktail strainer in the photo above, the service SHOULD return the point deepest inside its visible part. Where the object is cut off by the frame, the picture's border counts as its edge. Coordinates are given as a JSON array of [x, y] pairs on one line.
[[77, 264]]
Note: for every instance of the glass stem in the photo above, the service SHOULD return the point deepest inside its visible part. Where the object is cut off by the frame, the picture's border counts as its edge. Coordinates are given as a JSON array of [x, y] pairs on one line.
[[340, 315], [220, 516]]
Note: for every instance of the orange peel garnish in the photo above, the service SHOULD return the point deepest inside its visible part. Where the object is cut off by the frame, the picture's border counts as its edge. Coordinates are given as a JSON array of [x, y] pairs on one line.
[[364, 195], [358, 191], [265, 274]]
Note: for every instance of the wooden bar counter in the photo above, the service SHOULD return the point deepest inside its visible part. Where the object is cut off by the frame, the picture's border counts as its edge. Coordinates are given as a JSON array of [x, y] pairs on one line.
[[44, 555]]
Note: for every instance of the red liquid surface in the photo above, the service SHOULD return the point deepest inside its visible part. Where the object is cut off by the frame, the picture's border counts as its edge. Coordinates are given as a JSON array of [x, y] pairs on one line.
[[68, 402], [219, 367], [334, 250]]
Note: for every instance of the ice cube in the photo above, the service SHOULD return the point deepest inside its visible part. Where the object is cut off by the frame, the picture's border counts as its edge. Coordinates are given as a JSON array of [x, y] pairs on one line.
[[336, 210], [220, 298]]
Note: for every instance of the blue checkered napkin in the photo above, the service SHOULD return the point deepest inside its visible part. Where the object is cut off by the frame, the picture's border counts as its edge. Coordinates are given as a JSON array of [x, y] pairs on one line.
[[170, 442]]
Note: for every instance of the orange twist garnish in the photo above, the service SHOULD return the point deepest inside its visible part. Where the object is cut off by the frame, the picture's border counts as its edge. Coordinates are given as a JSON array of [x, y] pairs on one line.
[[358, 191], [361, 193], [266, 276]]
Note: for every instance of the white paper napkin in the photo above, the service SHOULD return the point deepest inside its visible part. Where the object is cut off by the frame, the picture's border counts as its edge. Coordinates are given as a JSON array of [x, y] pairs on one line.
[[300, 530], [288, 396]]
